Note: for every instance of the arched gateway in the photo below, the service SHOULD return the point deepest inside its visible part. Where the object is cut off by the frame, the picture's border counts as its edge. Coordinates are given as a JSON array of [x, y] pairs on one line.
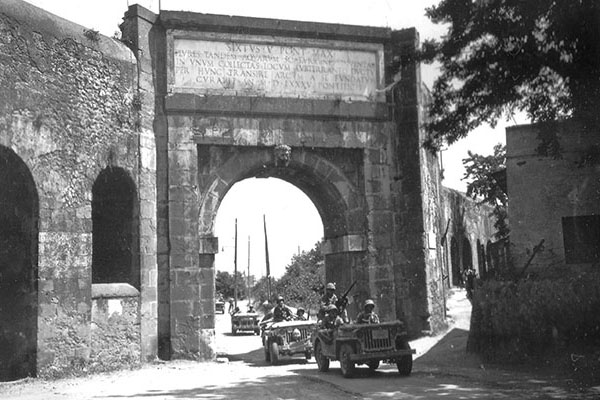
[[334, 109]]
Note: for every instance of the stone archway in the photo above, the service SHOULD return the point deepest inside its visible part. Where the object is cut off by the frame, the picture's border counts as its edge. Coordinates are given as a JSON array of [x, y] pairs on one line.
[[316, 172], [337, 198], [18, 268]]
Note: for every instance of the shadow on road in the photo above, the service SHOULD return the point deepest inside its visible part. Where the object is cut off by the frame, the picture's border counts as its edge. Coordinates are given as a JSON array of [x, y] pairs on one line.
[[266, 387], [450, 351], [256, 358]]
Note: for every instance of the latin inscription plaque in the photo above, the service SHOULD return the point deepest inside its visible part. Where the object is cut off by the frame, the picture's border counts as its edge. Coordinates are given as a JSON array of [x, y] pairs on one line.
[[274, 70]]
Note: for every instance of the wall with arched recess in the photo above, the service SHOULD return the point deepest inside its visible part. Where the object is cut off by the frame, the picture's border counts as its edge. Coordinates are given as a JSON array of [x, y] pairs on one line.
[[68, 109], [19, 216], [338, 200], [76, 102], [353, 122], [469, 225]]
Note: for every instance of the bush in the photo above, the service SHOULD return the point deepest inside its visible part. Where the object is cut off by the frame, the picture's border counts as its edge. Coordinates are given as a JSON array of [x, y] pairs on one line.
[[516, 321]]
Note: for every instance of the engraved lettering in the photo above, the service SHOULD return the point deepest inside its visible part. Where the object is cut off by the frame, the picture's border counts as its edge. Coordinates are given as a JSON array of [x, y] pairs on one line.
[[249, 68]]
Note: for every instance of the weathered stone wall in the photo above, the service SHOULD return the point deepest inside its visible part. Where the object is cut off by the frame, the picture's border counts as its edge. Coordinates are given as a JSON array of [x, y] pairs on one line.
[[415, 194], [69, 108], [116, 337], [467, 224], [543, 190]]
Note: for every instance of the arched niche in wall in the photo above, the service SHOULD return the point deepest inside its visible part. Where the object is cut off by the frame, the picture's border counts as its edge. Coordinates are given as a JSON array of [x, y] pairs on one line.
[[455, 262], [481, 262], [19, 213], [115, 227], [467, 255]]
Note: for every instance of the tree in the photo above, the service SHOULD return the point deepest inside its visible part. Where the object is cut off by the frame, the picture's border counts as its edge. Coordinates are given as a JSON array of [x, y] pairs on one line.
[[302, 282], [260, 290], [224, 284], [502, 56], [488, 184]]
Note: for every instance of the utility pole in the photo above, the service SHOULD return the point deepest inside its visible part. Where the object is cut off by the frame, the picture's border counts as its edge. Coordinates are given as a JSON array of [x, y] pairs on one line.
[[235, 268], [248, 280], [267, 260]]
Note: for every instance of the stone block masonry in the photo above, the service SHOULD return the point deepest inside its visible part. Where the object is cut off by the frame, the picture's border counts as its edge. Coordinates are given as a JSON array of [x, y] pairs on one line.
[[68, 111]]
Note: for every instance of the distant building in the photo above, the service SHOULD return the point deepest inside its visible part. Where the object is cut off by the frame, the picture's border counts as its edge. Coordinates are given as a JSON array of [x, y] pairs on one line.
[[557, 200]]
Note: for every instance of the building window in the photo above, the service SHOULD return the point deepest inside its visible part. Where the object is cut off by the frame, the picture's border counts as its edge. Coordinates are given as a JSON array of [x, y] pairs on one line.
[[581, 237]]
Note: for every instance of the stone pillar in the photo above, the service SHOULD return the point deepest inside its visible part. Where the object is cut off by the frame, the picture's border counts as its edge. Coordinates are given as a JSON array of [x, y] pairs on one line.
[[137, 32], [185, 275], [379, 262], [410, 248]]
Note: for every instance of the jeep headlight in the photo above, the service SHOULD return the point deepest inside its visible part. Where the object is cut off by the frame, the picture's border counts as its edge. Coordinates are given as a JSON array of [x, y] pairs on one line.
[[296, 335]]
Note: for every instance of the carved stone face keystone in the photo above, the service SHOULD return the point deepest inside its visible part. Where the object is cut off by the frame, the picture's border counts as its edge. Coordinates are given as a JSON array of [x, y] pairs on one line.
[[283, 154]]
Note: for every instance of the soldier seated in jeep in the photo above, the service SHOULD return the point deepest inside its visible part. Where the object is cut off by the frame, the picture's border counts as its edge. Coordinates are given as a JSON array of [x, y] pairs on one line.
[[300, 316], [368, 316], [281, 312]]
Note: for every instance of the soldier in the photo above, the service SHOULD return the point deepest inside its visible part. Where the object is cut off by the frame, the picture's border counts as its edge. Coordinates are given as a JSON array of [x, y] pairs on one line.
[[332, 318], [368, 316], [469, 277], [300, 314], [281, 312], [329, 296]]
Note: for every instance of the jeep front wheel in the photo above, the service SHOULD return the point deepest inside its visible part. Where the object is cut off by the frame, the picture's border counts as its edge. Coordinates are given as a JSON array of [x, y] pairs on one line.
[[274, 352], [373, 365], [346, 364], [404, 363], [322, 361]]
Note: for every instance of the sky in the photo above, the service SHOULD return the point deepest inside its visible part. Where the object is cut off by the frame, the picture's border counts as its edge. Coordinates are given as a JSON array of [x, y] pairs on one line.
[[293, 224]]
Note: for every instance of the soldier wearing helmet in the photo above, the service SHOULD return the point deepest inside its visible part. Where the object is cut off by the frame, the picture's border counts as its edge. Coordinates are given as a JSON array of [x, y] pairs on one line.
[[327, 299], [329, 296], [332, 317], [300, 314], [281, 312], [368, 316]]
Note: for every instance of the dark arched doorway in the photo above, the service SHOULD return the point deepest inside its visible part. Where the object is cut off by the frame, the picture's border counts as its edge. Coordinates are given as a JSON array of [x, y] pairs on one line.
[[455, 261], [18, 268], [481, 262], [115, 229], [467, 256]]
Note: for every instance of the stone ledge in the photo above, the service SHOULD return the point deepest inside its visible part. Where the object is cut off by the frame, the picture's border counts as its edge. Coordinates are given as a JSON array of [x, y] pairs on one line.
[[266, 26], [113, 290], [277, 107]]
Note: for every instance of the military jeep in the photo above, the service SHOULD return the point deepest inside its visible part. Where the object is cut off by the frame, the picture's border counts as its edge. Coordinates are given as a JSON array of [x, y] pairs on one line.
[[354, 344], [245, 322], [287, 338]]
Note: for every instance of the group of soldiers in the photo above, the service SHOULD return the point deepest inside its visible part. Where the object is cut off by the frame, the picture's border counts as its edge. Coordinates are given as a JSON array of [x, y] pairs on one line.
[[332, 312]]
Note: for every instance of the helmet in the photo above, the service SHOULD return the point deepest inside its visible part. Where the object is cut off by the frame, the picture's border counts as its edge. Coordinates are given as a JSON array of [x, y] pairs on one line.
[[279, 298], [331, 307], [330, 286], [300, 309], [369, 302]]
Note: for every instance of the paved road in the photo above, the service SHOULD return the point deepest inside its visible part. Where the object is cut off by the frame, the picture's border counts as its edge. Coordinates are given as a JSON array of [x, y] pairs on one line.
[[442, 370]]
